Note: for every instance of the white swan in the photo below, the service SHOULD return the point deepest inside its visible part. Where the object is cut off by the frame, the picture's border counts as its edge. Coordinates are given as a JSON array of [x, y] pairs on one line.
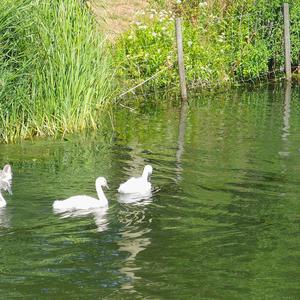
[[137, 185], [82, 201], [5, 182]]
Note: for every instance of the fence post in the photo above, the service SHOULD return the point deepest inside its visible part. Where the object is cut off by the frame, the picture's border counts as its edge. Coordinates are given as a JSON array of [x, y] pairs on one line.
[[180, 59], [287, 41]]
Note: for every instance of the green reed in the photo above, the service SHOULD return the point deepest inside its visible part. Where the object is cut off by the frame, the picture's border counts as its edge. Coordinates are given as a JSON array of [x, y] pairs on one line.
[[54, 69]]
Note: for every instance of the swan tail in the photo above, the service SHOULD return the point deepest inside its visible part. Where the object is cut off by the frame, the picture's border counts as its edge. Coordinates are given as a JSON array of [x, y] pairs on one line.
[[57, 204], [121, 189]]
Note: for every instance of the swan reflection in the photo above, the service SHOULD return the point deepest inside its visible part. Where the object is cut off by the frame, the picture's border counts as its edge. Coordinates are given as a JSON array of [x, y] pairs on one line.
[[4, 218], [99, 214], [135, 199], [133, 241]]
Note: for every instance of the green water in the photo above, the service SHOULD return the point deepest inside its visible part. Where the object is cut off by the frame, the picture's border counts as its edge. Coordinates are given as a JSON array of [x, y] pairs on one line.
[[224, 222]]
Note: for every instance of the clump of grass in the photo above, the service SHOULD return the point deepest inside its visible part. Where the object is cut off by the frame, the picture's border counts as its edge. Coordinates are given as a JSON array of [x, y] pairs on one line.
[[54, 68]]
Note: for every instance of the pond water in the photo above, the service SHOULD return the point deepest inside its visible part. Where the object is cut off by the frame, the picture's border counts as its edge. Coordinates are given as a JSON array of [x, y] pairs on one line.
[[223, 222]]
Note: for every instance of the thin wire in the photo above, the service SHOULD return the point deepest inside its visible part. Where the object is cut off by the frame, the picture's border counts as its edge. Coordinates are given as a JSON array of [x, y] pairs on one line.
[[143, 82]]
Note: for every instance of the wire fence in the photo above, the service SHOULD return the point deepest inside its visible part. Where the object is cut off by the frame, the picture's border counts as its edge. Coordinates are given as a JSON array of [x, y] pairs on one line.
[[256, 41], [240, 47]]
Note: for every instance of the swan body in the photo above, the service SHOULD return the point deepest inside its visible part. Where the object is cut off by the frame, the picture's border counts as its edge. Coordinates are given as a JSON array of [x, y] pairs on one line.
[[83, 201], [5, 183], [137, 185]]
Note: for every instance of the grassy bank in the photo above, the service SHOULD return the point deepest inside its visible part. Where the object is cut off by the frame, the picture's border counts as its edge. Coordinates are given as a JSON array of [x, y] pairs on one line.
[[54, 68], [225, 43]]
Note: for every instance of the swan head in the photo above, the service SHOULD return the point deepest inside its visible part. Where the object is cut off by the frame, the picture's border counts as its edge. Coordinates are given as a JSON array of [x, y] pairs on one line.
[[101, 181], [7, 170], [147, 171]]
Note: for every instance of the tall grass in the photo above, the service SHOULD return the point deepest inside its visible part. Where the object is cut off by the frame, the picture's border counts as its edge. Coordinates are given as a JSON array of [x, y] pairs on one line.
[[54, 68]]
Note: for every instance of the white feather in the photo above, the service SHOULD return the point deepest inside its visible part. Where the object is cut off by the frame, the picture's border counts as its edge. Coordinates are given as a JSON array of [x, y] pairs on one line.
[[137, 185], [83, 201], [5, 183]]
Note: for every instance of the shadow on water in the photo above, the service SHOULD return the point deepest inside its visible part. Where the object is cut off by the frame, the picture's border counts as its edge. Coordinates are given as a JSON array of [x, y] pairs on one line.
[[223, 222]]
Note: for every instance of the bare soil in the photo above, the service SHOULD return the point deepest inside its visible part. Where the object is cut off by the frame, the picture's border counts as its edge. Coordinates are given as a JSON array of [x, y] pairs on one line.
[[115, 16]]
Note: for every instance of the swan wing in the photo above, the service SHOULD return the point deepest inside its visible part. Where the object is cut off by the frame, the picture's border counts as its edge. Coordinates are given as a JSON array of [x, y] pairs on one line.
[[135, 185], [76, 202], [128, 185], [6, 179]]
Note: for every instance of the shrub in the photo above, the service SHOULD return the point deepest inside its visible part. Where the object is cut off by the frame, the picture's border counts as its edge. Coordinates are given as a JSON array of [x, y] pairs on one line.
[[225, 42]]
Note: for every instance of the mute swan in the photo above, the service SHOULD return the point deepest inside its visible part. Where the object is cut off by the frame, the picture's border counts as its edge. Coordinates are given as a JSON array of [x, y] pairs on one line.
[[82, 201], [137, 185], [5, 182]]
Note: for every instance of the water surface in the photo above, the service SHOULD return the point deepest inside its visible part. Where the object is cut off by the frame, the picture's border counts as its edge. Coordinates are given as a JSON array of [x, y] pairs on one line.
[[222, 224]]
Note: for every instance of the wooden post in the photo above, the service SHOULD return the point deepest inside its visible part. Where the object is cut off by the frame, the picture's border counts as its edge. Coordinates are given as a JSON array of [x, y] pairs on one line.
[[180, 59], [287, 41]]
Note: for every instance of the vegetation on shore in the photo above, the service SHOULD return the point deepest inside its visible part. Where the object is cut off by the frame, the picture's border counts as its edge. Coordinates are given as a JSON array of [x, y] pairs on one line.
[[225, 43], [54, 68]]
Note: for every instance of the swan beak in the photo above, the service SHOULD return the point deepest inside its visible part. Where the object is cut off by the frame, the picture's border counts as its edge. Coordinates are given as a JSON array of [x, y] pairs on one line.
[[107, 186]]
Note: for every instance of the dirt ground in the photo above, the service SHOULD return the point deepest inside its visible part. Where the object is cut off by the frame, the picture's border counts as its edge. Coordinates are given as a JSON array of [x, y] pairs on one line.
[[114, 16]]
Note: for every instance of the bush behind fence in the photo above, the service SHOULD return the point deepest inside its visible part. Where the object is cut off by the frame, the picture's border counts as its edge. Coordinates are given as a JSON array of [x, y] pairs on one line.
[[238, 42]]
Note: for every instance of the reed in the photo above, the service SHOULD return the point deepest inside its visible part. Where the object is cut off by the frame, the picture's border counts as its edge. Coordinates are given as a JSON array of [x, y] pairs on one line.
[[54, 69]]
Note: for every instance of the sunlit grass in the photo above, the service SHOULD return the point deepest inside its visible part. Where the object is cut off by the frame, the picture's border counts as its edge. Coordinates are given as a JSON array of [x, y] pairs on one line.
[[54, 69]]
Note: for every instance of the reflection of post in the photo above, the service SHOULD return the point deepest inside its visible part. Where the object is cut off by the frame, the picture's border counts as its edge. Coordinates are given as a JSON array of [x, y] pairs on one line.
[[182, 124], [287, 110], [286, 119]]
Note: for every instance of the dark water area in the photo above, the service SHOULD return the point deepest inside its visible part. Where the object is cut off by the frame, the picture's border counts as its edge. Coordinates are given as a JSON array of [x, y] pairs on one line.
[[222, 224]]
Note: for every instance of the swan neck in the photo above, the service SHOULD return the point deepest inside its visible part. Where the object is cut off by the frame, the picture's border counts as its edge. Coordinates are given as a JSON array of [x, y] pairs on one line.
[[2, 200], [101, 194], [145, 175]]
